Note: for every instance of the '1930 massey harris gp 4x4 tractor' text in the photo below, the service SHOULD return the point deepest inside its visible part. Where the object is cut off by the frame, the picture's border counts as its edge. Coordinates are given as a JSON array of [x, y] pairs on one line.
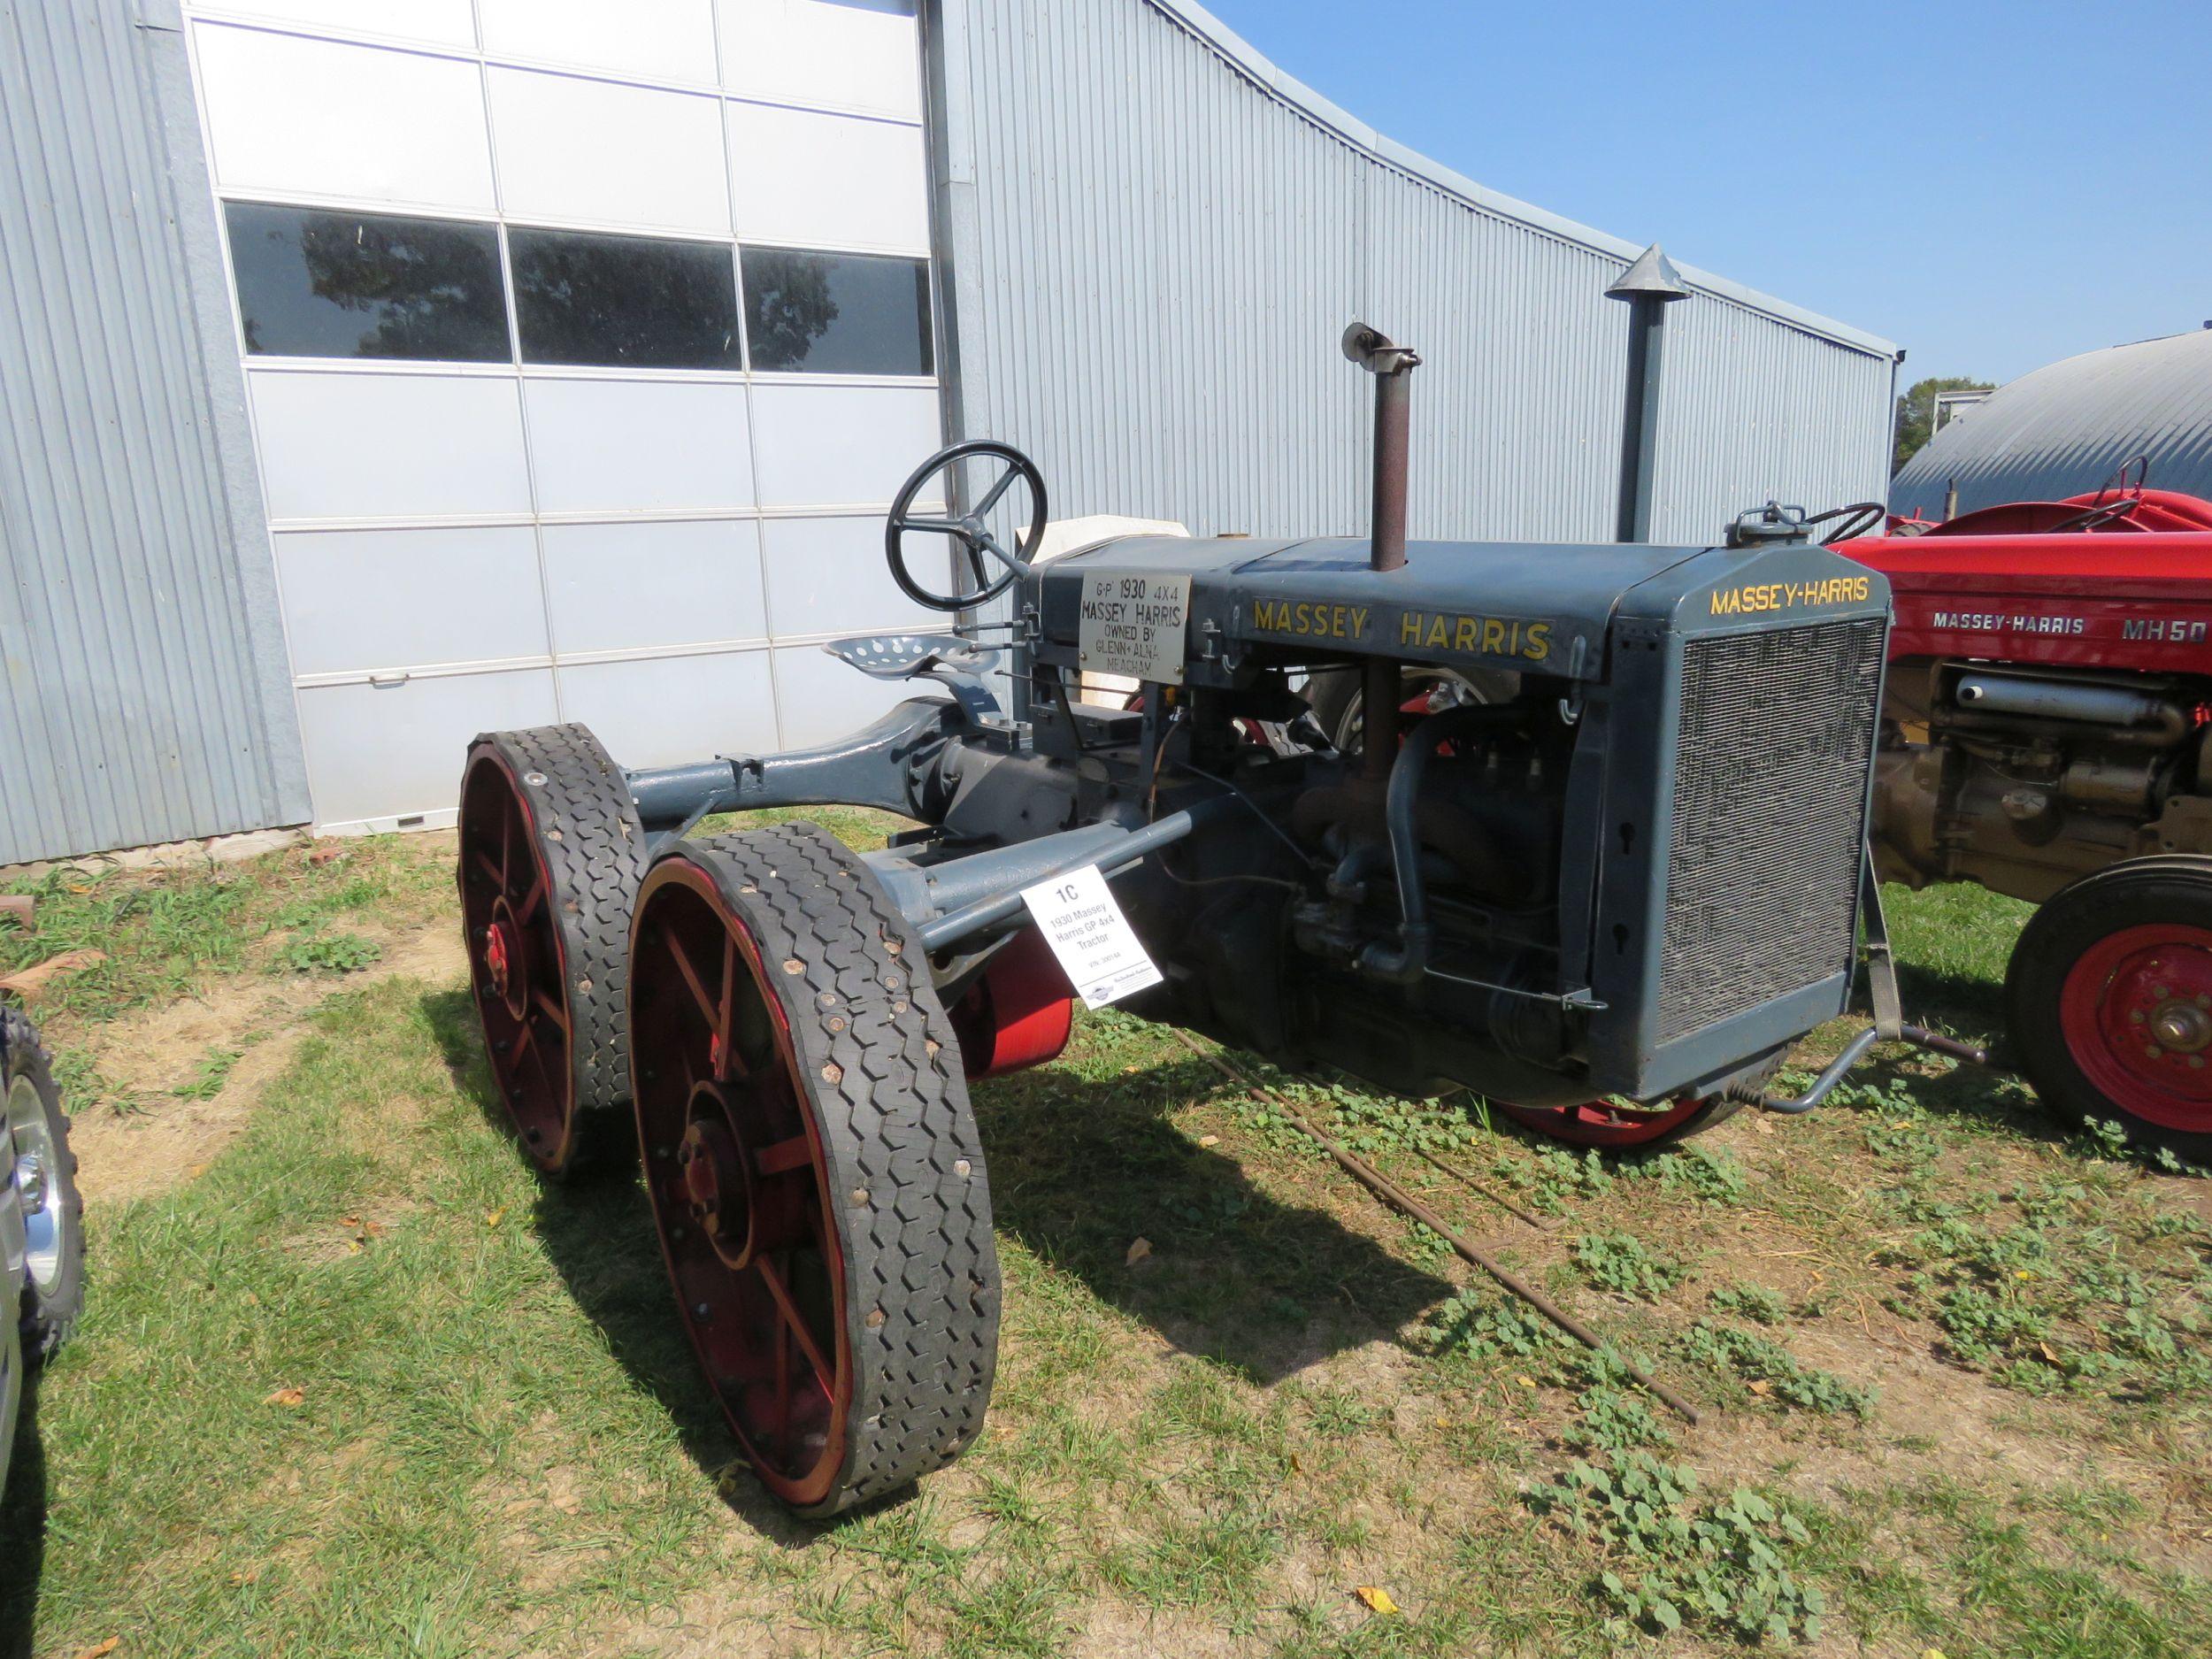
[[1612, 901]]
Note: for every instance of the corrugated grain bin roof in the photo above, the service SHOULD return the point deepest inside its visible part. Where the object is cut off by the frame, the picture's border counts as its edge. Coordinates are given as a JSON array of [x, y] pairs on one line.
[[2064, 429]]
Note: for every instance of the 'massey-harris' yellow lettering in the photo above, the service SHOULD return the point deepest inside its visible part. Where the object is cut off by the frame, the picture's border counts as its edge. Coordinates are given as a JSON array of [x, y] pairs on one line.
[[1310, 620], [1754, 598], [1489, 636]]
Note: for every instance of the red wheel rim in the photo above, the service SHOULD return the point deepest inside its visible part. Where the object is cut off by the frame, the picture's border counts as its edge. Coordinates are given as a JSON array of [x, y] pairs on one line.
[[1600, 1124], [516, 970], [734, 1167], [2136, 1011], [1419, 696]]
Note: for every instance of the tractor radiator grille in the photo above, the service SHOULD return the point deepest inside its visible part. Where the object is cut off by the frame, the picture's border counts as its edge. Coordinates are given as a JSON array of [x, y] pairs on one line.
[[1776, 736]]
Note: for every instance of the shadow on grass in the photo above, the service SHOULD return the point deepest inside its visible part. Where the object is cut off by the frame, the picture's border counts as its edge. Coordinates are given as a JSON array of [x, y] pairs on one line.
[[1081, 1169], [597, 1229], [1965, 1003], [23, 1530]]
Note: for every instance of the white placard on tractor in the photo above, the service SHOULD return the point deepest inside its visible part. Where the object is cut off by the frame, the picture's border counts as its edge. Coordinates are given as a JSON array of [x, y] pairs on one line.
[[1133, 624], [1098, 950]]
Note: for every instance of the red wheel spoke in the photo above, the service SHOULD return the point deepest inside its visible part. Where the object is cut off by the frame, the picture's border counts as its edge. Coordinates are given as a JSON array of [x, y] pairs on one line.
[[725, 1048], [528, 907], [794, 1154], [549, 1005], [506, 848], [783, 1381], [823, 1373], [545, 1073], [490, 866], [707, 1005]]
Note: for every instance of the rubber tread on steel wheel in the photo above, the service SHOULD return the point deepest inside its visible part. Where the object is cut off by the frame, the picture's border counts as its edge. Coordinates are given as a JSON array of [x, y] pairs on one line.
[[45, 1172], [2109, 1001], [813, 1165], [551, 854]]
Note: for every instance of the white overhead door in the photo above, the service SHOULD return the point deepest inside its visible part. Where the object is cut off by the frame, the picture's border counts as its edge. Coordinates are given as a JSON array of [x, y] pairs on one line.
[[584, 344]]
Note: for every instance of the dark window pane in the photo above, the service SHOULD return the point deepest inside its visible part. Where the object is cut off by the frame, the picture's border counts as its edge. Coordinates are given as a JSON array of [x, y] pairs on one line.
[[624, 301], [313, 284], [837, 313]]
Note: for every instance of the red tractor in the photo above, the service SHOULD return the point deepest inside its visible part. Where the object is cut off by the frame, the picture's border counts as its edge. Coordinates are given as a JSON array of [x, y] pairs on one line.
[[2048, 733]]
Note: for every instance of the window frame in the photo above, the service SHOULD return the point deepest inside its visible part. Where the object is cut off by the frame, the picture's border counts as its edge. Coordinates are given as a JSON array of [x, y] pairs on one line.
[[302, 212]]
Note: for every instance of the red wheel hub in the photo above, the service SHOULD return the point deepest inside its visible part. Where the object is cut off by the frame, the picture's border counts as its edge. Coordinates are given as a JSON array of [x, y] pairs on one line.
[[497, 954], [1603, 1125], [746, 1208], [2136, 1011]]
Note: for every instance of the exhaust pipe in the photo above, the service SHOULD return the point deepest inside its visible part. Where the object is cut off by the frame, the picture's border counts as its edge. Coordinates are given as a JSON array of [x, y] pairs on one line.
[[1649, 286], [2058, 700], [1392, 366], [1390, 363]]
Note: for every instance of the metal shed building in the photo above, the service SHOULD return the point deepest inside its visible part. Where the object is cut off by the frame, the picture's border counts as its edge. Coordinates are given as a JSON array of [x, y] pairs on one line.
[[2068, 427], [373, 372]]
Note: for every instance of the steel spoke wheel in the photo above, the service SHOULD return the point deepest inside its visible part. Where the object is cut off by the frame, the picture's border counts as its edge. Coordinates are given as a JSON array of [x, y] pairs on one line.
[[2110, 996], [813, 1163], [43, 1172], [551, 854], [1609, 1127]]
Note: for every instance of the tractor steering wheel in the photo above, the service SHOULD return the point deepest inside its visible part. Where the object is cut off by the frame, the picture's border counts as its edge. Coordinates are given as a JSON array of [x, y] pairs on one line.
[[970, 530]]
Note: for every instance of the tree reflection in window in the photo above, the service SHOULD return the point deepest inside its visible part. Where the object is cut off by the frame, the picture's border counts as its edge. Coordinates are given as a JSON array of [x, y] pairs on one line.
[[837, 313], [317, 284], [624, 301]]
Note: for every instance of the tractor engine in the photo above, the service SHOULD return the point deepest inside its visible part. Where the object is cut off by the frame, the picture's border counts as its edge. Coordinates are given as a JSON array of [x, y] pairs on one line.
[[2024, 778], [1637, 876]]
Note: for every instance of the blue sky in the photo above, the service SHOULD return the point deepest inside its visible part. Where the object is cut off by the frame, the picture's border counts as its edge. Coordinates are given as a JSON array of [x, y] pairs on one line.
[[1993, 186]]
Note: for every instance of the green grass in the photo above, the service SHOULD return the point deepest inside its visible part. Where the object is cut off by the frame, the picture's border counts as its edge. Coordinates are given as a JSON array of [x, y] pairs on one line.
[[171, 934], [497, 1445]]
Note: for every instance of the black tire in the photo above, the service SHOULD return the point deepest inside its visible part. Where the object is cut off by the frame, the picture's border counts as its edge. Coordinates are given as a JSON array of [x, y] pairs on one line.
[[582, 830], [1336, 695], [2127, 950], [38, 1128], [897, 1175], [12, 1385]]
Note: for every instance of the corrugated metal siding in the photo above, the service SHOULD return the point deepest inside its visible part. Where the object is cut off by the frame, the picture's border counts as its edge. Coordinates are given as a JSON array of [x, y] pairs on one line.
[[2067, 427], [1759, 410], [1155, 240], [134, 706]]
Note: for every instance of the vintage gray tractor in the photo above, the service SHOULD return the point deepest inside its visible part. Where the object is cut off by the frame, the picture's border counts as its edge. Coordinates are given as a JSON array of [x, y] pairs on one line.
[[1609, 900]]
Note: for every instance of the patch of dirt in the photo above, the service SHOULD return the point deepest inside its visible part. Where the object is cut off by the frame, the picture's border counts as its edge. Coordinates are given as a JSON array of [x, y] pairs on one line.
[[149, 1054], [1116, 1630]]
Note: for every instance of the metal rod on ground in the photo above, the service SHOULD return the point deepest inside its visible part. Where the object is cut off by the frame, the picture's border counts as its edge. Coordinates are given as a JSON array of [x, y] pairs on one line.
[[1396, 1197], [1542, 1223]]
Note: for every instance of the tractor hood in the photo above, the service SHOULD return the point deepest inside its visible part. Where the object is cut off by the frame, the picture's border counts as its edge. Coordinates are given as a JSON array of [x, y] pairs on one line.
[[1541, 607]]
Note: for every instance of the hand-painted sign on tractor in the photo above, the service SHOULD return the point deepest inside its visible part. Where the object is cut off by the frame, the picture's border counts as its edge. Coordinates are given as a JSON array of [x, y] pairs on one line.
[[1133, 624]]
